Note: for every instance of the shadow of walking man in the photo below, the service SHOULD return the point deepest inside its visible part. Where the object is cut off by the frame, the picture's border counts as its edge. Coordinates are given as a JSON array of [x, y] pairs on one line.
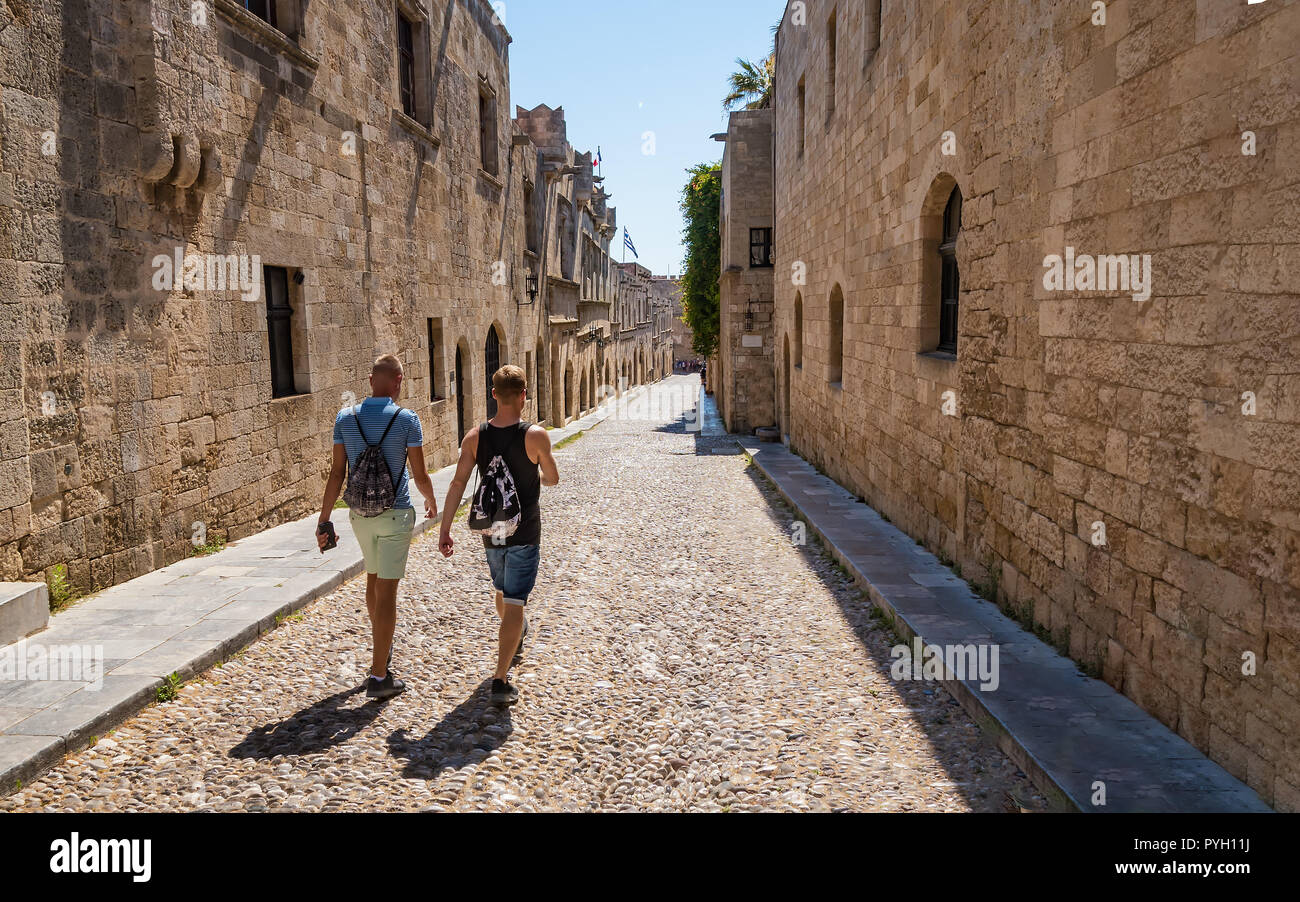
[[323, 725], [467, 734]]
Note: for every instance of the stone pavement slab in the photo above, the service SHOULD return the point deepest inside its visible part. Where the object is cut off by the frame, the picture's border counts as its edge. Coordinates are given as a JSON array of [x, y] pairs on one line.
[[1066, 730], [182, 619]]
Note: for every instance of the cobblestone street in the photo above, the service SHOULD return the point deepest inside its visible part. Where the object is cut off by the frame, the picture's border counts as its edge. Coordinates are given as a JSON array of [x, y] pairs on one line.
[[684, 655]]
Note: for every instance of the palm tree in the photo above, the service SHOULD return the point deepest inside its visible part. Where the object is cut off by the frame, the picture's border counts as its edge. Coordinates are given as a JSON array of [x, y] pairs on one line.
[[753, 82]]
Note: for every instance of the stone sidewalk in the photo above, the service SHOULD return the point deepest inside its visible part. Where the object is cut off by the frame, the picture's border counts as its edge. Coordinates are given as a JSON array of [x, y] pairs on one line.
[[182, 619], [1066, 730]]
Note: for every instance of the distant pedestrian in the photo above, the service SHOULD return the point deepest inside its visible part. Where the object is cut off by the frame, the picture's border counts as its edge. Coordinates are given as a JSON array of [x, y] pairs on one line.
[[514, 458], [373, 442]]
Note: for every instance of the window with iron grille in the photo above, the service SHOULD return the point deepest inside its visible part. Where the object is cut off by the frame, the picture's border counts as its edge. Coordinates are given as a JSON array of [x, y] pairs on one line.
[[487, 130], [279, 328], [951, 282], [263, 9], [406, 64], [760, 247]]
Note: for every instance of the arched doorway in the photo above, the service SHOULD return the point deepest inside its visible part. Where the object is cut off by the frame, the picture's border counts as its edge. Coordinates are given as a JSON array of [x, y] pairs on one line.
[[785, 391], [462, 401], [491, 363], [582, 394], [541, 381], [569, 400]]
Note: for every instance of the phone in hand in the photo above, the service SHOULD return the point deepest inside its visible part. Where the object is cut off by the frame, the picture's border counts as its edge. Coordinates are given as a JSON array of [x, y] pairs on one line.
[[327, 529]]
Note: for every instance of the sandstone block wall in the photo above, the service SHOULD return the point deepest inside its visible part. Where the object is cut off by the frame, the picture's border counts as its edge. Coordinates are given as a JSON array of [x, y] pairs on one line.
[[1171, 422], [745, 389], [129, 130]]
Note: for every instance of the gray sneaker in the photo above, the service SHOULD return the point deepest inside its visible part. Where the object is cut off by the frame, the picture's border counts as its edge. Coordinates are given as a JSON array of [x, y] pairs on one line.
[[386, 688], [503, 693]]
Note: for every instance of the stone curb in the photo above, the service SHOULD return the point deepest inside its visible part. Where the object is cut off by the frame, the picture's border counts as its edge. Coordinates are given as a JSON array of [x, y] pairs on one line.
[[26, 752], [1134, 752]]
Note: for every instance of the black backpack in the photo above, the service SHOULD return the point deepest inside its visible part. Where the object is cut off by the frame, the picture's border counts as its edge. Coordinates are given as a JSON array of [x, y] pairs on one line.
[[494, 509], [371, 488]]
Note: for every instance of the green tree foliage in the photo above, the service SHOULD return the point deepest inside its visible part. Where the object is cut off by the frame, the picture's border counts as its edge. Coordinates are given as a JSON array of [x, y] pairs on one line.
[[701, 198], [751, 84]]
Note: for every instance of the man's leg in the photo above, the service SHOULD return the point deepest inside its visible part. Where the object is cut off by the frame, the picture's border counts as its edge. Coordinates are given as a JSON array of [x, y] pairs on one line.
[[519, 575], [383, 620], [512, 627], [372, 580]]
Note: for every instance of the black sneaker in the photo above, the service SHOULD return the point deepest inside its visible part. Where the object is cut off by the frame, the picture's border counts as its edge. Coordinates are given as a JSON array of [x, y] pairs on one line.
[[385, 688], [503, 693], [519, 652]]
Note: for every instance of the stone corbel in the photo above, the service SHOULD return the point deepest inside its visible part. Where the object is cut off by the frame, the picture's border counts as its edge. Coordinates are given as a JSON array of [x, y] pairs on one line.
[[189, 160]]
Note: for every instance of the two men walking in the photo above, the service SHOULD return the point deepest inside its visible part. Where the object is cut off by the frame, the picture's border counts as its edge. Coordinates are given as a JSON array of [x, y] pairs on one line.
[[506, 443]]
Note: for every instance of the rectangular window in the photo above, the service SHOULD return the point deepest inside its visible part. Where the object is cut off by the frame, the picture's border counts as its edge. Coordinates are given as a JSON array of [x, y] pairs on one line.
[[830, 66], [760, 247], [279, 328], [487, 129], [263, 9], [873, 28], [406, 64], [530, 219], [801, 100], [435, 359]]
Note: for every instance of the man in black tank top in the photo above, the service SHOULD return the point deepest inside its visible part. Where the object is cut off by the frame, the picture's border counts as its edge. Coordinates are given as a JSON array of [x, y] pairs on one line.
[[526, 450]]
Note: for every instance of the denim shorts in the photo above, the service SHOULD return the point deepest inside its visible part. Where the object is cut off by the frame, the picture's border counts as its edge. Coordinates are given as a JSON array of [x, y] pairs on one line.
[[514, 571]]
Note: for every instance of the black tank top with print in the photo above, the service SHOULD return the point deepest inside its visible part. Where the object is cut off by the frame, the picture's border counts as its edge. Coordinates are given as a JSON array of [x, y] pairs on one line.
[[508, 441]]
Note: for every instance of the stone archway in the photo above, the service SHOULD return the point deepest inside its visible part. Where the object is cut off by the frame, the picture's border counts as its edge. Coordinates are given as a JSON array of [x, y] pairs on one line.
[[569, 387]]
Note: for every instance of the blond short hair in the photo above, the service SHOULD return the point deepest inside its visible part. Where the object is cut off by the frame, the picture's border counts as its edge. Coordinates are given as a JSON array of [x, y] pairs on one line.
[[509, 383], [387, 364]]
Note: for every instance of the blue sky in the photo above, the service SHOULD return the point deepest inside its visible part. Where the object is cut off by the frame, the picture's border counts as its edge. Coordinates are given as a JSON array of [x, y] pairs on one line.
[[625, 68]]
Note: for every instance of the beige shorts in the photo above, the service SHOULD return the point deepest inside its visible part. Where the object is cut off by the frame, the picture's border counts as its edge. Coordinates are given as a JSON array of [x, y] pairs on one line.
[[385, 541]]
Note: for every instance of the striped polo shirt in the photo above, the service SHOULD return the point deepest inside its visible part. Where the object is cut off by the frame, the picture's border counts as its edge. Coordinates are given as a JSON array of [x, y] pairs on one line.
[[374, 414]]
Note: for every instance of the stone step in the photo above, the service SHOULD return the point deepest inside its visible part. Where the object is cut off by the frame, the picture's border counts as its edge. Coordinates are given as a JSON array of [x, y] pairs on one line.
[[24, 610]]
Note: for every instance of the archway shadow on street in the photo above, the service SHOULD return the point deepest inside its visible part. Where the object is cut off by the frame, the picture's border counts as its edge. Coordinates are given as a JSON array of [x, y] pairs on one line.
[[320, 726], [932, 705], [472, 727]]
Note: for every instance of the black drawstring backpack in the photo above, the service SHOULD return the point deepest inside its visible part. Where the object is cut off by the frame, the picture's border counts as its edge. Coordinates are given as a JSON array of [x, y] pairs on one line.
[[371, 488], [494, 510]]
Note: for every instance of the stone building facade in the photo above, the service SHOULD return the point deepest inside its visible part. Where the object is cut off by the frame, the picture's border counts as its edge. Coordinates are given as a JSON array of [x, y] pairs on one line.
[[666, 304], [682, 335], [644, 351], [743, 378], [1118, 459], [569, 227], [213, 217]]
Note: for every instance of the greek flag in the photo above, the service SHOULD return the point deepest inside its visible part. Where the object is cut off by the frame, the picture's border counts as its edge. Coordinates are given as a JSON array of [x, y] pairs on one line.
[[627, 243]]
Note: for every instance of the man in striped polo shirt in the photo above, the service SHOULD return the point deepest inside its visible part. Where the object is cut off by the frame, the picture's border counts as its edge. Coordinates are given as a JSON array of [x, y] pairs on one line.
[[386, 539]]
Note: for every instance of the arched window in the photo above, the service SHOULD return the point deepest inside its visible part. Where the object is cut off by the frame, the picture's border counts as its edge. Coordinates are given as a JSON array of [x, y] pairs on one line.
[[798, 331], [950, 286], [835, 344], [491, 363]]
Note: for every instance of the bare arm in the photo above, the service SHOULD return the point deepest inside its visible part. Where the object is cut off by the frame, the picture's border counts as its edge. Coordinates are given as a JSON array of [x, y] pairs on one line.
[[464, 465], [538, 443], [420, 473], [333, 485]]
